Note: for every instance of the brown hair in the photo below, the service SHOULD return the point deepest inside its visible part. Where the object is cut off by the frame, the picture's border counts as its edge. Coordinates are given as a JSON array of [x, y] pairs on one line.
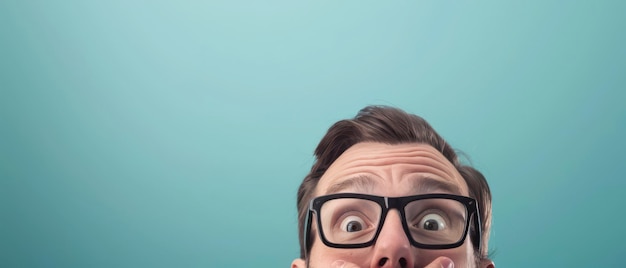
[[392, 126]]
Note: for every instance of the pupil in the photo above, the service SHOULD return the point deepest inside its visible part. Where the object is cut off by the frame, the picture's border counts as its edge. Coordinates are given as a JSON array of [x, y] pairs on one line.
[[354, 226], [431, 225]]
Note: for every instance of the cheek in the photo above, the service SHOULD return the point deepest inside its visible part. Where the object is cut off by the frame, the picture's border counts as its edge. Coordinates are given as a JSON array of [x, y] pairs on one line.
[[322, 256], [462, 256], [458, 256]]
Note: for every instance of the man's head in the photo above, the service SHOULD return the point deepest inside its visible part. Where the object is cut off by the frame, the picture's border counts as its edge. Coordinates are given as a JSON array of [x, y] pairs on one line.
[[368, 163]]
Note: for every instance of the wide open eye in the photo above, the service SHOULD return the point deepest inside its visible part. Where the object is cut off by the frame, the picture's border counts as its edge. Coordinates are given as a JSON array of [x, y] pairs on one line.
[[432, 222], [352, 224]]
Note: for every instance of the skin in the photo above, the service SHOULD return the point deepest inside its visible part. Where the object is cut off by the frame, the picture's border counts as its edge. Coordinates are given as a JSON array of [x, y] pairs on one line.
[[393, 171]]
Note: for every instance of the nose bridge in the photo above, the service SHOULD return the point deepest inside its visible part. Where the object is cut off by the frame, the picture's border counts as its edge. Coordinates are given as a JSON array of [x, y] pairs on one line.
[[392, 247], [392, 226]]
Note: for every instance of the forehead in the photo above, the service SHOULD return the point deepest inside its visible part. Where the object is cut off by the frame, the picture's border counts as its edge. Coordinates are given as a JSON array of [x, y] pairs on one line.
[[392, 170]]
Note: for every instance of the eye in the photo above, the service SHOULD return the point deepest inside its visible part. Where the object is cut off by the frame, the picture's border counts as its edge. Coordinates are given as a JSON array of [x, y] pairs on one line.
[[432, 222], [352, 224]]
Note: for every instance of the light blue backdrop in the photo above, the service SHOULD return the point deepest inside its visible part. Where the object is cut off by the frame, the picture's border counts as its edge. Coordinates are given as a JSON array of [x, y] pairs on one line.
[[175, 134]]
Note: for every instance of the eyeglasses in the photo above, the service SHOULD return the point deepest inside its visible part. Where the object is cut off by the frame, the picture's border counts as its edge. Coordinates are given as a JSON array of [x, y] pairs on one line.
[[431, 221]]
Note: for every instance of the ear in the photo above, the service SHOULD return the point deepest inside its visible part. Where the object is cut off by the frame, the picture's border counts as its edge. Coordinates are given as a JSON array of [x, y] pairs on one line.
[[486, 263], [298, 263]]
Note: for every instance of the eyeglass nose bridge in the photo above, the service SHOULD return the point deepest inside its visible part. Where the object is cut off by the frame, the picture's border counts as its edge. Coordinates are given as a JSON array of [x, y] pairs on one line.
[[390, 204]]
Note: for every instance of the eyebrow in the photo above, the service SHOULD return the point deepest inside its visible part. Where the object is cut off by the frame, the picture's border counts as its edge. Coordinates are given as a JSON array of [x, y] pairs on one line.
[[425, 185], [429, 185], [361, 182]]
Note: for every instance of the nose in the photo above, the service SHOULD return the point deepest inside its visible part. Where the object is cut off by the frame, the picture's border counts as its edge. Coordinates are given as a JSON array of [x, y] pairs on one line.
[[392, 248]]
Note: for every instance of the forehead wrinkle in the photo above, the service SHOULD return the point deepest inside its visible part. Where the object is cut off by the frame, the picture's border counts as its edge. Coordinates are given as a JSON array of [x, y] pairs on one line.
[[423, 178], [419, 164], [425, 162], [369, 157], [410, 169], [433, 161], [445, 173], [379, 160], [426, 155], [390, 156], [390, 148]]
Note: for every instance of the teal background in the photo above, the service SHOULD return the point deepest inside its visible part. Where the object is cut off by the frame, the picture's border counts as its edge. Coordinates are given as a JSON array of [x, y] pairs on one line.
[[175, 134]]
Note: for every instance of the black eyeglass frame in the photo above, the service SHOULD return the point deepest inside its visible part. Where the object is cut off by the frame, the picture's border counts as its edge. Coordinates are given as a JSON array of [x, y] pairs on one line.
[[399, 203]]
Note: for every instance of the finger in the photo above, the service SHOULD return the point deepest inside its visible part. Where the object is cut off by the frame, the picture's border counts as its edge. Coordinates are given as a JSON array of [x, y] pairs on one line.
[[441, 262], [343, 264]]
